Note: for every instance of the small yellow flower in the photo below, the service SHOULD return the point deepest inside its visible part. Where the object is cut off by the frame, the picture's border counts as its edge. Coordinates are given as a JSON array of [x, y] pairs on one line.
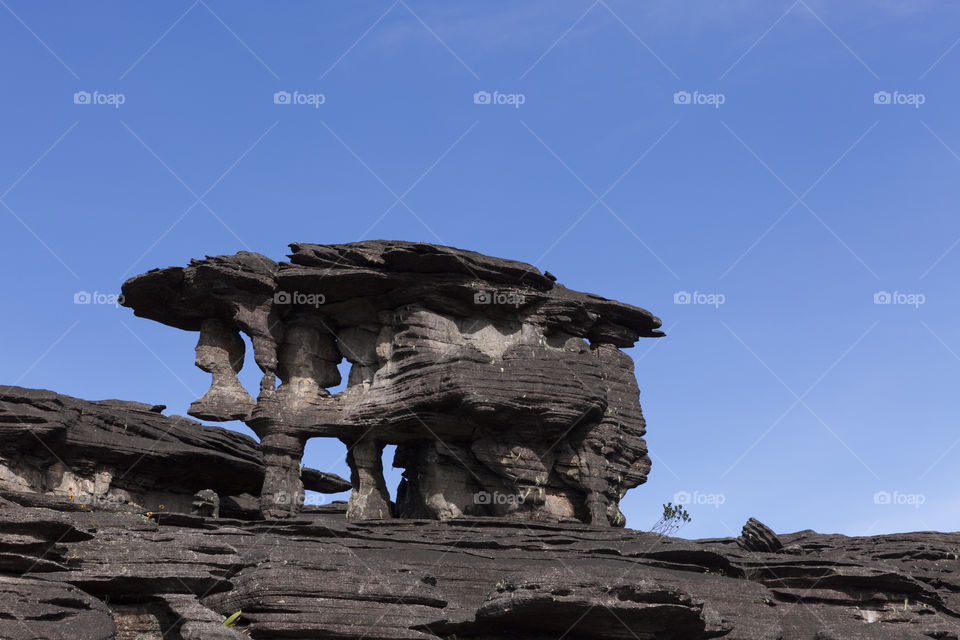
[[162, 507], [149, 513]]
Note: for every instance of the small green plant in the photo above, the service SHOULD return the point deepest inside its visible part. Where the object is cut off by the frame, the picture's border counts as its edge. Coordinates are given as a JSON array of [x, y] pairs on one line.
[[232, 620], [672, 519]]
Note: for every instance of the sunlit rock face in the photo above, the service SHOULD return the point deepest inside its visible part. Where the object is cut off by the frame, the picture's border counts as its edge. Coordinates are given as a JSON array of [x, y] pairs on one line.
[[505, 393], [115, 453]]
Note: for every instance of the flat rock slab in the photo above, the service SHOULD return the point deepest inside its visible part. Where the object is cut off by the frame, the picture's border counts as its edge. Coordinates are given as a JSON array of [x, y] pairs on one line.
[[31, 609], [326, 576]]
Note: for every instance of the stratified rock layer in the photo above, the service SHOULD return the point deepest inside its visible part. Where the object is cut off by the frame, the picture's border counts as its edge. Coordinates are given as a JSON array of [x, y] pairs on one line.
[[505, 393], [757, 536], [113, 452], [95, 573]]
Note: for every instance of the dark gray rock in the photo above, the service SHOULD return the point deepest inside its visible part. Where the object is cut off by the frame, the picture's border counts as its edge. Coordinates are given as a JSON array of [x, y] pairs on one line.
[[206, 503], [31, 609], [556, 603], [757, 536], [117, 455], [108, 570], [325, 576], [534, 402], [505, 393]]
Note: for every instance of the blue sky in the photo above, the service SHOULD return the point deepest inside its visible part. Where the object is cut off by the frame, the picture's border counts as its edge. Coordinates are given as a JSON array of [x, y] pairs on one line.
[[785, 162]]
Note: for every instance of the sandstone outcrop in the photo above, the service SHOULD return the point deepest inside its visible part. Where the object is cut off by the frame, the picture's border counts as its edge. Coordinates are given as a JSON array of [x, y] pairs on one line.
[[757, 536], [102, 574], [517, 423], [114, 452], [505, 393]]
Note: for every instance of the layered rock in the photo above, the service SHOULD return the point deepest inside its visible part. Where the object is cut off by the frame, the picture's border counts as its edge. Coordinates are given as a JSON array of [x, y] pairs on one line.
[[114, 452], [757, 536], [110, 574], [32, 608], [505, 393]]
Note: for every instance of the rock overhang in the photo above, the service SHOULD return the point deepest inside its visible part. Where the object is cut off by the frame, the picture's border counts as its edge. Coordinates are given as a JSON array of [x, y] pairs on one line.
[[462, 359], [361, 279]]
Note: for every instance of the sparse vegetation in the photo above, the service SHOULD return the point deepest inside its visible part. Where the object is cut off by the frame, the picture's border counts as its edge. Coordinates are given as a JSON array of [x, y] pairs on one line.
[[672, 519]]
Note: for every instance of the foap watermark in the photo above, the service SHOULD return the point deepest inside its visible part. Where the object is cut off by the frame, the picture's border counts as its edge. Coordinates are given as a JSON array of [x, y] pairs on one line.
[[696, 97], [86, 297], [486, 97], [899, 498], [898, 297], [104, 501], [298, 97], [498, 297], [697, 297], [497, 497], [98, 97], [296, 297], [897, 97], [301, 499], [685, 497]]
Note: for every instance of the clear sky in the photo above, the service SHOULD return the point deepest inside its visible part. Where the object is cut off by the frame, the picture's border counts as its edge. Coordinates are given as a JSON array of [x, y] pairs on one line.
[[783, 163]]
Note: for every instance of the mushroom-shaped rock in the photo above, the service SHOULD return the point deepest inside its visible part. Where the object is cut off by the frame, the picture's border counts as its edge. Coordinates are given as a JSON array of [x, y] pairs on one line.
[[506, 393]]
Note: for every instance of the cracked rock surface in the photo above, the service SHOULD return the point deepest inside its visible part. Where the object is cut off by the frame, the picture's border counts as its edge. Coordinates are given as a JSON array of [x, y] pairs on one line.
[[113, 452], [95, 574], [111, 569], [516, 420], [506, 393]]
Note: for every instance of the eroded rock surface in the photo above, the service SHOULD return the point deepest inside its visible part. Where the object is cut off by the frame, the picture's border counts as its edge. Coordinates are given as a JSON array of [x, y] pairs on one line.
[[505, 393], [113, 574], [757, 536], [31, 608], [114, 452]]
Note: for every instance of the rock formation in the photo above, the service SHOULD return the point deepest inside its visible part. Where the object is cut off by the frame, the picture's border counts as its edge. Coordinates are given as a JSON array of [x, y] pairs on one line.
[[206, 503], [757, 536], [505, 393], [120, 574], [114, 452], [512, 422]]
